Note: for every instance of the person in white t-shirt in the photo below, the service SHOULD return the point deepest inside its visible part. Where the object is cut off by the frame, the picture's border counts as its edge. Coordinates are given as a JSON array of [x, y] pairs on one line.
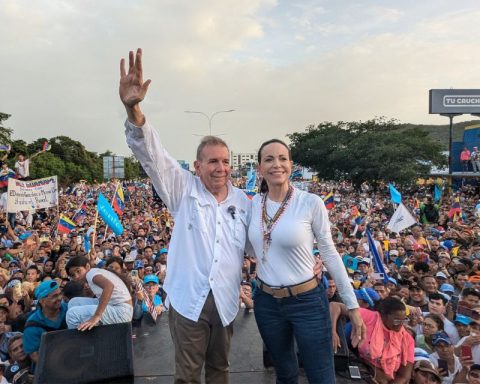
[[22, 166], [113, 302]]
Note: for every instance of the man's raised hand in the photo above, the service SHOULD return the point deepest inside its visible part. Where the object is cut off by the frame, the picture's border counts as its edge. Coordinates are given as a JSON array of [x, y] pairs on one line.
[[132, 88]]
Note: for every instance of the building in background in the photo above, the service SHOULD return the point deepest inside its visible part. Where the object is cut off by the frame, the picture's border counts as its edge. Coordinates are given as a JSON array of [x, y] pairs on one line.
[[242, 160]]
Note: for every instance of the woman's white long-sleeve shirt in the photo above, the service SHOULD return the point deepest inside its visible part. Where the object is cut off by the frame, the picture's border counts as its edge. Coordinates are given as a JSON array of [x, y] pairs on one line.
[[289, 259]]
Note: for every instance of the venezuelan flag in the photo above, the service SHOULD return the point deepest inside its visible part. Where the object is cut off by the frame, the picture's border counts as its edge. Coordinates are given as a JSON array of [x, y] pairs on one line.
[[5, 176], [455, 211], [46, 146], [119, 201], [65, 225], [328, 201]]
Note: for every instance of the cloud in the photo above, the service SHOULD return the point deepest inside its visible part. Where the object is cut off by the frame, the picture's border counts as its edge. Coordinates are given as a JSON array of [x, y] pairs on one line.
[[280, 67]]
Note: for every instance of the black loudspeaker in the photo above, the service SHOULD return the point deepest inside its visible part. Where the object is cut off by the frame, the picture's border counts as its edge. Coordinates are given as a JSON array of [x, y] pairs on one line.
[[103, 354], [342, 356]]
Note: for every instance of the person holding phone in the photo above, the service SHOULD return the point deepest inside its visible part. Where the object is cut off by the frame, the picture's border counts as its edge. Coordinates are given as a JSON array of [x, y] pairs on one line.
[[444, 358]]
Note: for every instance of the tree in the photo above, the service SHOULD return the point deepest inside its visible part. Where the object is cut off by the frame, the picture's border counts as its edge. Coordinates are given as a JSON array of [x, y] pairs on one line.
[[132, 168], [5, 133], [375, 150]]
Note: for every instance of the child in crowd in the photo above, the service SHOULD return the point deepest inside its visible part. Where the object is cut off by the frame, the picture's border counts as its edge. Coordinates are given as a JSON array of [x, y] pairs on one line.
[[112, 304]]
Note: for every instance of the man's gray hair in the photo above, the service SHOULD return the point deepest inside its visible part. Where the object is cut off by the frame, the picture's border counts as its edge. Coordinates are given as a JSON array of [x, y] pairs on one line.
[[209, 140]]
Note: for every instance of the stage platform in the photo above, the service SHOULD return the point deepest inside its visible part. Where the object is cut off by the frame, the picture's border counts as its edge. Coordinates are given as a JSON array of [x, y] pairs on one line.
[[154, 360]]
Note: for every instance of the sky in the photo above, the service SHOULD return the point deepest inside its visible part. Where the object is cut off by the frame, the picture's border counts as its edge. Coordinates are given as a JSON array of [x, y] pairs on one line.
[[282, 65]]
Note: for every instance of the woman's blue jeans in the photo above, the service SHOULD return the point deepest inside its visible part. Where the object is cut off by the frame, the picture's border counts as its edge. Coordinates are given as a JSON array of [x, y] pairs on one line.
[[305, 318]]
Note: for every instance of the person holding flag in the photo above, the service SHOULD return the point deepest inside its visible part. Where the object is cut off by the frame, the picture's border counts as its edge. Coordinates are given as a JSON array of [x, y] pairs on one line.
[[147, 299]]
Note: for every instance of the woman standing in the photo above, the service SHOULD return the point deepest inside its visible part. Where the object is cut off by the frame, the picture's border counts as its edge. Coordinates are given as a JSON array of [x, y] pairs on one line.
[[289, 303]]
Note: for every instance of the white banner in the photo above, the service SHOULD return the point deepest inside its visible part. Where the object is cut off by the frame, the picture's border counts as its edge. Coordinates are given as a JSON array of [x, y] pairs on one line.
[[32, 194], [401, 219]]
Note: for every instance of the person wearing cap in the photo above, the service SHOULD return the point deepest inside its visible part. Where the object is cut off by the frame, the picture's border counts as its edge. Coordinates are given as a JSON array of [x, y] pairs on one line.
[[417, 297], [151, 286], [462, 323], [112, 303], [424, 372], [444, 350], [139, 266], [472, 340], [130, 260], [49, 316]]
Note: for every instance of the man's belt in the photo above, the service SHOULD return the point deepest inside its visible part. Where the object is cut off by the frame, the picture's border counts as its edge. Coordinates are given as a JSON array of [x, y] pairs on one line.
[[290, 290]]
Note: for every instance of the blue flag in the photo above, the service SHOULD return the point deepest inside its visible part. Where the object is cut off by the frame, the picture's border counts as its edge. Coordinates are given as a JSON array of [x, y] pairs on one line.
[[437, 193], [395, 196], [108, 215], [377, 262], [251, 179]]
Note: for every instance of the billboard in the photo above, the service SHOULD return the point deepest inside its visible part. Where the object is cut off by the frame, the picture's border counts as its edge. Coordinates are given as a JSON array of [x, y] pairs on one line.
[[454, 101], [113, 167]]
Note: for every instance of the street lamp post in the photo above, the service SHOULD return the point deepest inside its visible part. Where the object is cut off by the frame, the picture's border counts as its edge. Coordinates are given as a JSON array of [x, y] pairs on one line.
[[210, 118]]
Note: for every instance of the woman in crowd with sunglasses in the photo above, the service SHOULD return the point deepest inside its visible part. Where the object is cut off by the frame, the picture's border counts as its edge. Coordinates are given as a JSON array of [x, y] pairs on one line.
[[388, 348]]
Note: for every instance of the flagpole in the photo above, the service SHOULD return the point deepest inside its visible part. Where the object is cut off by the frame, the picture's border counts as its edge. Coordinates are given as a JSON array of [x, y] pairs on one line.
[[94, 231]]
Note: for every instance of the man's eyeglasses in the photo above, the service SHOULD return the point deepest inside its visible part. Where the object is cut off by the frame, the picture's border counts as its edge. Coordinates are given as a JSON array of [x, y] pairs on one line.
[[400, 322]]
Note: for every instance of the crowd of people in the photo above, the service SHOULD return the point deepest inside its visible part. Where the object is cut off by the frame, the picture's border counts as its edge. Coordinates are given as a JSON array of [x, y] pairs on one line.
[[200, 250], [429, 309]]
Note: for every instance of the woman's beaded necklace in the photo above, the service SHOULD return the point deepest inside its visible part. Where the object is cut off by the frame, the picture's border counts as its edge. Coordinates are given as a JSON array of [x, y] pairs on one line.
[[268, 223]]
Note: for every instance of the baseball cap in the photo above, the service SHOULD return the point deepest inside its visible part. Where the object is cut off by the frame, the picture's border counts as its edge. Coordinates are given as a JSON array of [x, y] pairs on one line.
[[441, 274], [444, 254], [131, 257], [392, 280], [46, 288], [447, 244], [163, 250], [427, 366], [462, 319], [421, 354], [418, 247], [138, 264], [393, 252], [447, 288], [441, 337], [368, 295], [151, 279]]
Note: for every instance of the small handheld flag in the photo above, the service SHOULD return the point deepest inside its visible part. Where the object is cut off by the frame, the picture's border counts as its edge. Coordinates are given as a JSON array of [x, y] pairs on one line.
[[65, 225], [377, 262], [119, 200], [329, 201], [108, 215], [395, 196]]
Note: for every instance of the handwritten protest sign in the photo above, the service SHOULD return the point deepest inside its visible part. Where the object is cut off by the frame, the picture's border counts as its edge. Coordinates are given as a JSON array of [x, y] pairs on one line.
[[32, 194]]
